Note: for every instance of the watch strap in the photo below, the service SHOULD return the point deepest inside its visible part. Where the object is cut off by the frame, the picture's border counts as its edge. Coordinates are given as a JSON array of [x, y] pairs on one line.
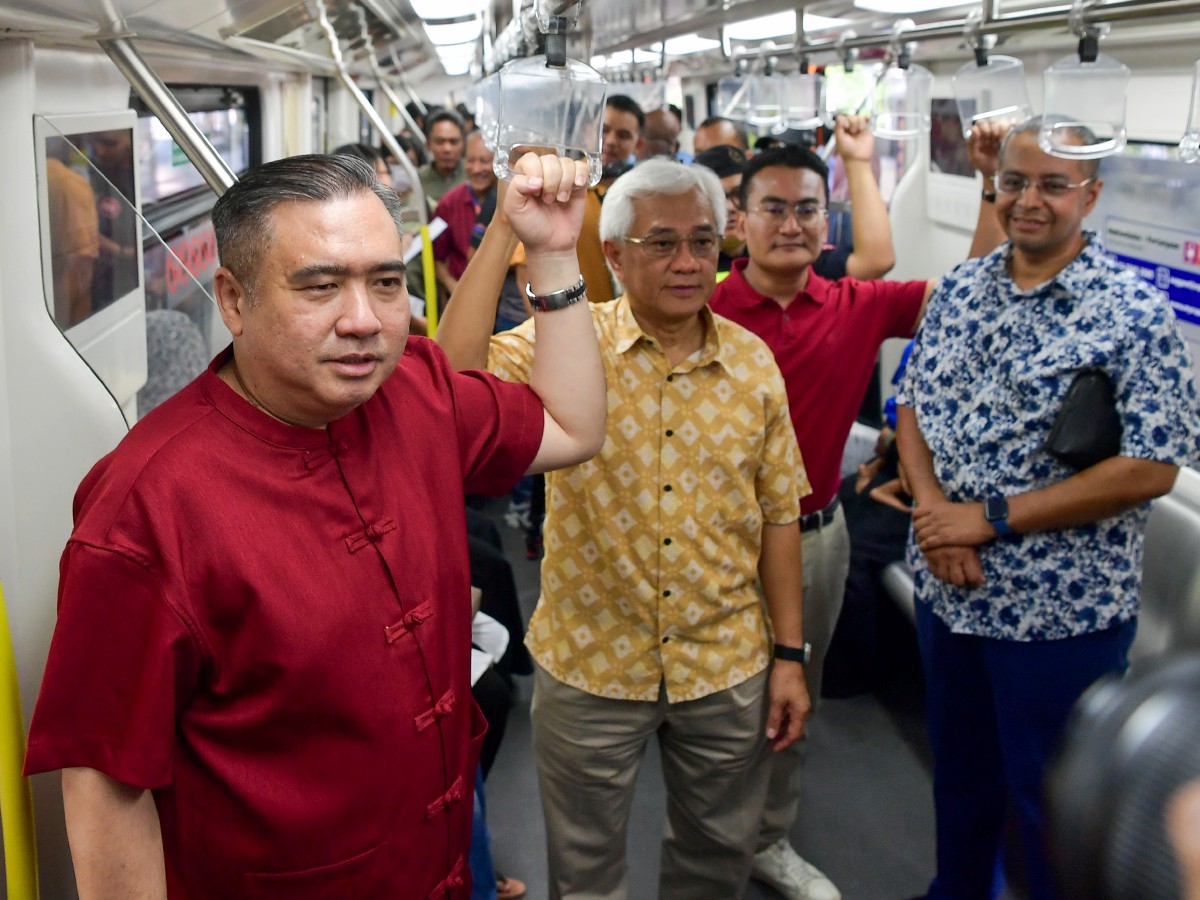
[[995, 510], [557, 299], [793, 654]]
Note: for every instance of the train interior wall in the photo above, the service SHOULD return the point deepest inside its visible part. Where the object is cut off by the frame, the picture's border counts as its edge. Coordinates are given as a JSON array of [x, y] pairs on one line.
[[57, 419]]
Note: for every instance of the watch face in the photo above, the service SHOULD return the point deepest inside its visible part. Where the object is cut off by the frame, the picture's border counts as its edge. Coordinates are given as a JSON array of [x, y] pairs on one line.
[[995, 508]]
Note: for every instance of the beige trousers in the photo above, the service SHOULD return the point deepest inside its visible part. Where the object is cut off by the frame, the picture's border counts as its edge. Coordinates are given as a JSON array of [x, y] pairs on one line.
[[588, 752], [826, 561]]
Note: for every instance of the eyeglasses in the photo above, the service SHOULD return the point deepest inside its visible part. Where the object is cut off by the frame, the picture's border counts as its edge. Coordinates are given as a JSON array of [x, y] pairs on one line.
[[779, 212], [734, 198], [666, 246], [1051, 186]]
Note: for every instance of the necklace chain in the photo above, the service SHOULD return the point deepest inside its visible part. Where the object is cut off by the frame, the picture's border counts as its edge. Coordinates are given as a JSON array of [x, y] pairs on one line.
[[237, 376]]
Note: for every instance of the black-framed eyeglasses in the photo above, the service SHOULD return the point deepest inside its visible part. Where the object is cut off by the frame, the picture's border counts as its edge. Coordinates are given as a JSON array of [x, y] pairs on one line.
[[734, 198], [806, 213], [666, 246], [1050, 186]]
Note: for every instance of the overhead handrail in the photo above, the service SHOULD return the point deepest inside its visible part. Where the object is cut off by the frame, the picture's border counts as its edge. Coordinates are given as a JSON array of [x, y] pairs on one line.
[[998, 24], [158, 97], [402, 159], [376, 120], [1089, 90], [991, 87]]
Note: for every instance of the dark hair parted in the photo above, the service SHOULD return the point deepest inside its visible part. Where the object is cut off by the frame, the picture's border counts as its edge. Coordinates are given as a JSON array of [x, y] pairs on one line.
[[627, 104], [788, 156], [242, 215], [1077, 130]]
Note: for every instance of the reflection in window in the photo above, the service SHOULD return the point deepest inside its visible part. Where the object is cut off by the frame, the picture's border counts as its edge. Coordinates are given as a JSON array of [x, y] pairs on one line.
[[93, 228], [166, 172]]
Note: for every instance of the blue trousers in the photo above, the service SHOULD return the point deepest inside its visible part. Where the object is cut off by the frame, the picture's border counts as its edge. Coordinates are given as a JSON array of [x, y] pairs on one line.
[[996, 710], [483, 876]]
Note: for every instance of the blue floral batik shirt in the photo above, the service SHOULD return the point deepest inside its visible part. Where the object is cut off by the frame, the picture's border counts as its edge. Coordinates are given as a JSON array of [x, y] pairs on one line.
[[989, 372]]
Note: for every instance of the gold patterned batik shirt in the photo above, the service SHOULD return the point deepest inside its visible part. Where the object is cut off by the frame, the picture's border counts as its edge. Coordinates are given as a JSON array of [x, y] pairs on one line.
[[652, 547]]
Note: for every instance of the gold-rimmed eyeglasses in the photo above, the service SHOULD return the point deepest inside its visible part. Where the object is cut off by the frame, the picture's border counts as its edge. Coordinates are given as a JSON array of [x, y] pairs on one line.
[[666, 246]]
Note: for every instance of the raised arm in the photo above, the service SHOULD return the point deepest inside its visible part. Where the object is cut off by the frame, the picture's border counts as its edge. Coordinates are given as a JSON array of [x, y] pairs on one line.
[[983, 149], [544, 204], [779, 570], [116, 842], [873, 255]]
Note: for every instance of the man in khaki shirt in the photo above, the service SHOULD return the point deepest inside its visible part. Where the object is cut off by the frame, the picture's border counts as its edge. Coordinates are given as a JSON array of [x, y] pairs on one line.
[[650, 620]]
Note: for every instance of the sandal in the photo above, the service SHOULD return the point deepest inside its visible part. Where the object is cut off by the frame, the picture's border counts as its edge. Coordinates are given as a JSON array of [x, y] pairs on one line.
[[509, 888]]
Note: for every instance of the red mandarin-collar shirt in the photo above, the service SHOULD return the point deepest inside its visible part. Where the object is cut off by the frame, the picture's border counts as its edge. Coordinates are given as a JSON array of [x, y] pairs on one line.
[[269, 626], [826, 343]]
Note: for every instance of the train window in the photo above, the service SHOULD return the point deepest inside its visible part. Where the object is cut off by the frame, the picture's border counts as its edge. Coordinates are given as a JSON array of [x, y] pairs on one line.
[[947, 149], [167, 173], [91, 243], [229, 118], [176, 201]]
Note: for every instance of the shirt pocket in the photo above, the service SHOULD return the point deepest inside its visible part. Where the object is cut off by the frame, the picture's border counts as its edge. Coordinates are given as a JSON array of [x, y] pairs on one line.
[[367, 874]]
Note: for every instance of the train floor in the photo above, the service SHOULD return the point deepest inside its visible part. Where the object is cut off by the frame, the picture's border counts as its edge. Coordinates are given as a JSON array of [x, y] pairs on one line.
[[866, 816]]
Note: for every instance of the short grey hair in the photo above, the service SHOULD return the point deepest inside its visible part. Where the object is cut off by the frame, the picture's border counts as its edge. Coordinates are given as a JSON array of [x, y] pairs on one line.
[[242, 215], [1077, 130], [657, 177]]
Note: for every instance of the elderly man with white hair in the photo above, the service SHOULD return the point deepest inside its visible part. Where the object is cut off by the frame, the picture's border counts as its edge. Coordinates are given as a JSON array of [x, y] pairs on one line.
[[650, 620]]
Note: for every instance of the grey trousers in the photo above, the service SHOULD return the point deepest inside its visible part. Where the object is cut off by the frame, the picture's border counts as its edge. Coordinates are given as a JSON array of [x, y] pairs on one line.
[[588, 752], [826, 560]]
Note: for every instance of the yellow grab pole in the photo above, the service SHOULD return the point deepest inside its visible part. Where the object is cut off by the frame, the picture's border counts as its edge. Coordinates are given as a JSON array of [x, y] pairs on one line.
[[16, 798], [431, 306]]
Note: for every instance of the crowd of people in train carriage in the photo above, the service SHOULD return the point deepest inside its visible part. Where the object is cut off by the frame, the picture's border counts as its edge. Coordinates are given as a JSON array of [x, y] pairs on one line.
[[270, 662]]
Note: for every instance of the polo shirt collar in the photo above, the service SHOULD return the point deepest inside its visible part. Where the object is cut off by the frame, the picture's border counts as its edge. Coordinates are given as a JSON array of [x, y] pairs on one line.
[[816, 288], [629, 332]]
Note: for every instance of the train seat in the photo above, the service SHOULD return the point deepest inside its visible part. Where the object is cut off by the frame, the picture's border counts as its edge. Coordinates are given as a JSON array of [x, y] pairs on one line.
[[175, 354], [1170, 617]]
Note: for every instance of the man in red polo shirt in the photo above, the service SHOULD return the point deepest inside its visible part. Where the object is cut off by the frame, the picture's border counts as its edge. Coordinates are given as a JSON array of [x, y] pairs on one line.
[[825, 336], [258, 682]]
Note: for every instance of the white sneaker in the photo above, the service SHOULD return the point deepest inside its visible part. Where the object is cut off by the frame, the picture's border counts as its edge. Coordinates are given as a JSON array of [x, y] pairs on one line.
[[783, 869]]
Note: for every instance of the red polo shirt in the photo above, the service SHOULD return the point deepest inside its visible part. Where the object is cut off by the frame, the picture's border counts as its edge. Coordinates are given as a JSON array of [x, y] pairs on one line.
[[826, 342]]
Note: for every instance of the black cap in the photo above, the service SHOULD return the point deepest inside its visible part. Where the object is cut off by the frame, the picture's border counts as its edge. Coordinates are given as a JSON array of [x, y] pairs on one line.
[[723, 159]]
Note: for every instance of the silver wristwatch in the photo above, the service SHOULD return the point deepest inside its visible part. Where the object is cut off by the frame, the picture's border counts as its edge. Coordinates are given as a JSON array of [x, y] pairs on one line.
[[557, 299]]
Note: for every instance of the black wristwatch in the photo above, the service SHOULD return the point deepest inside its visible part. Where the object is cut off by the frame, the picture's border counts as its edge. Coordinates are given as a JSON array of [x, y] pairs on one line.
[[995, 510], [794, 654], [988, 196]]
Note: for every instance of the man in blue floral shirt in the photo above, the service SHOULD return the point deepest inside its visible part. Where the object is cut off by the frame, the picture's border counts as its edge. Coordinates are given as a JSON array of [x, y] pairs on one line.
[[1027, 571]]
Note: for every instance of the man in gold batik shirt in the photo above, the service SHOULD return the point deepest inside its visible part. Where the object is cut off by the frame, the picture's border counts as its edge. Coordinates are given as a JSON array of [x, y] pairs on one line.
[[650, 620]]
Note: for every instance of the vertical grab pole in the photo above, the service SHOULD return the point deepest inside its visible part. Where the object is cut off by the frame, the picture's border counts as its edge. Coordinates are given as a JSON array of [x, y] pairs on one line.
[[431, 304], [16, 798]]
